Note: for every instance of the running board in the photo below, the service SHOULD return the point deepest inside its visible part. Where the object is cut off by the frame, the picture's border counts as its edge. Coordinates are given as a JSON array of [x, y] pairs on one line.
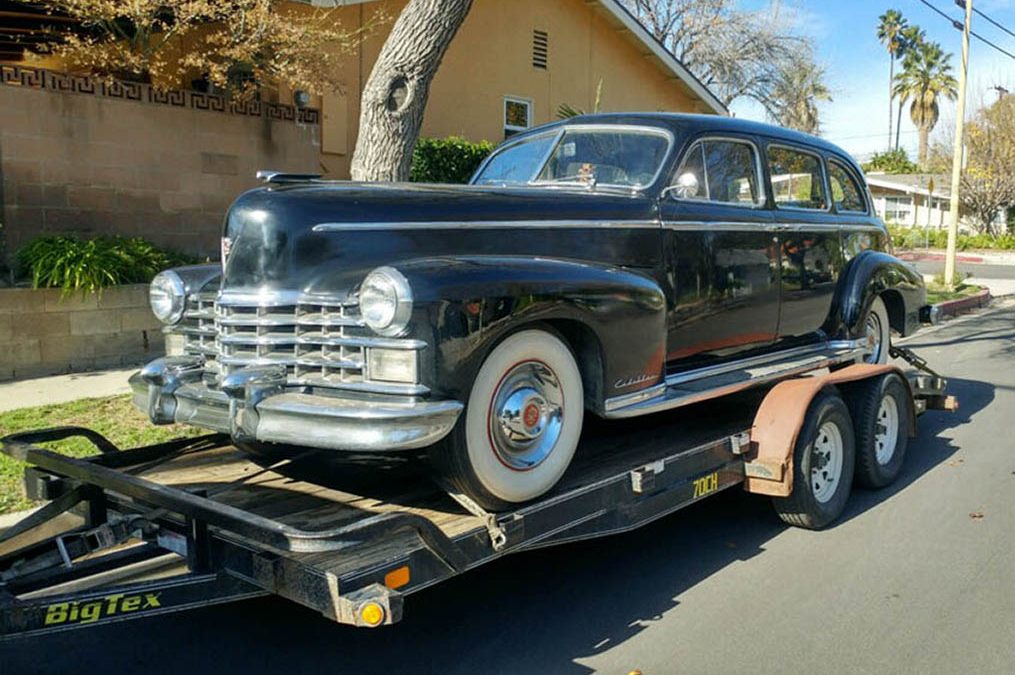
[[695, 386]]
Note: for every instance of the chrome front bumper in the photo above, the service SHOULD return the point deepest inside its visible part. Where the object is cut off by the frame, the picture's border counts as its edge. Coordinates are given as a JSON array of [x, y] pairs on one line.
[[253, 405]]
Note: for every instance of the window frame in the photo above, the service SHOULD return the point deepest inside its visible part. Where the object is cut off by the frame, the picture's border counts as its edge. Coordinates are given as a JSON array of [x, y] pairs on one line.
[[528, 103], [821, 166], [860, 185], [759, 175]]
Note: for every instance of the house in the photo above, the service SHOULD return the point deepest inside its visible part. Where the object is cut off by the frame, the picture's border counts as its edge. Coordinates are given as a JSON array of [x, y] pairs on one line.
[[513, 63], [912, 199], [90, 157]]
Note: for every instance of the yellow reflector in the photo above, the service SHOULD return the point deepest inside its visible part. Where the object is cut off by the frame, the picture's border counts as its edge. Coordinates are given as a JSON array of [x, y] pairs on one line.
[[397, 578], [372, 614]]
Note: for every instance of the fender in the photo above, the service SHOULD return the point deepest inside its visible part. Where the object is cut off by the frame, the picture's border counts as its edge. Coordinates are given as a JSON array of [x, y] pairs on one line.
[[614, 318], [200, 278], [868, 275]]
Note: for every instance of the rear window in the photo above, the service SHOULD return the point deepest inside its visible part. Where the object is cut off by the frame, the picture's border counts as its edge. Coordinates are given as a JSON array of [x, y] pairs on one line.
[[797, 182]]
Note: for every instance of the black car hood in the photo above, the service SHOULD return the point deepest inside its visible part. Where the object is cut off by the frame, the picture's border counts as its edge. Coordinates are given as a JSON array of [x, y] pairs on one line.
[[318, 237]]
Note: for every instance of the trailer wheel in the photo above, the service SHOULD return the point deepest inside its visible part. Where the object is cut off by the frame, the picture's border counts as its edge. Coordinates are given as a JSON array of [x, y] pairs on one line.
[[521, 423], [881, 417], [823, 463]]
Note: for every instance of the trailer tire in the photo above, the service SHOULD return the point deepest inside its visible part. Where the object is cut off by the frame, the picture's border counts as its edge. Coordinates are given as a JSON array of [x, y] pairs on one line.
[[823, 465], [521, 424], [881, 412]]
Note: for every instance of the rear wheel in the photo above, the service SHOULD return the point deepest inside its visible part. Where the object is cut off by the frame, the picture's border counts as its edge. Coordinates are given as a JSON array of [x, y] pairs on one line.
[[823, 462], [881, 416], [521, 423], [877, 333]]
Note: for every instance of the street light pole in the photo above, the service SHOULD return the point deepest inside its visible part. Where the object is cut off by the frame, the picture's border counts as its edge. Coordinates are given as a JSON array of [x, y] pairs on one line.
[[960, 121]]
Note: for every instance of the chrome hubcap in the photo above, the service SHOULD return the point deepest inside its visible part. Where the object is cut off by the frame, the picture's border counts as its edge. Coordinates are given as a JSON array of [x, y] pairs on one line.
[[886, 430], [526, 415], [872, 336], [826, 461]]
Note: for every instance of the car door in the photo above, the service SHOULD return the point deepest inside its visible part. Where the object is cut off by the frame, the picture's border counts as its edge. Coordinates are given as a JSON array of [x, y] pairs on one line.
[[720, 260], [810, 246]]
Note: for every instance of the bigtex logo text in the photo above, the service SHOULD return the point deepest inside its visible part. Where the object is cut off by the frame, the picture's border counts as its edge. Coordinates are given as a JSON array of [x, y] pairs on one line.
[[103, 608]]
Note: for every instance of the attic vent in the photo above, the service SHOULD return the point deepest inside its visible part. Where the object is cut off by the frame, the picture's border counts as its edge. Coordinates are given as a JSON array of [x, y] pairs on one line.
[[540, 48]]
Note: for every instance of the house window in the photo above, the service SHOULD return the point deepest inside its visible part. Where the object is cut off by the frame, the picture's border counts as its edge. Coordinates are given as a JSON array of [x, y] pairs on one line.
[[517, 115], [898, 210], [540, 49]]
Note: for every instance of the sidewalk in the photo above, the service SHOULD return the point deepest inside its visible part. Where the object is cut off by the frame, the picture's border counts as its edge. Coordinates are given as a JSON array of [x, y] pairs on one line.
[[997, 287], [978, 257], [63, 388]]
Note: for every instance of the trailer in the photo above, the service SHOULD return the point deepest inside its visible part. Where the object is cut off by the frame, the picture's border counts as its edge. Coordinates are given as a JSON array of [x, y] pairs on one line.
[[195, 522]]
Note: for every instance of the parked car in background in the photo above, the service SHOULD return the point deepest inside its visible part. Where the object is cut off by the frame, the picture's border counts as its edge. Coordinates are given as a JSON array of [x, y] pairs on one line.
[[616, 264]]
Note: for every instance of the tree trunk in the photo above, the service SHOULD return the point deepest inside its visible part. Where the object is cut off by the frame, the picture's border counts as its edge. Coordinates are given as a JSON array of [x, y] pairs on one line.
[[891, 96], [921, 155], [898, 125], [395, 96]]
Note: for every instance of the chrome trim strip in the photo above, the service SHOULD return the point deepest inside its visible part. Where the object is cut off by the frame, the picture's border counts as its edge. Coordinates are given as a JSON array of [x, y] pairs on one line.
[[278, 298], [761, 360], [748, 226], [831, 353], [488, 224], [625, 400]]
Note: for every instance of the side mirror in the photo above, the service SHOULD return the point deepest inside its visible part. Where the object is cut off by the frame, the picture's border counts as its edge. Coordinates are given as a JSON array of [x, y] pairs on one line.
[[686, 186]]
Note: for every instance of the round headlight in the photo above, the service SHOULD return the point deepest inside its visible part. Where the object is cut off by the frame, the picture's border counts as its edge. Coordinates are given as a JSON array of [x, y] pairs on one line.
[[167, 296], [385, 301]]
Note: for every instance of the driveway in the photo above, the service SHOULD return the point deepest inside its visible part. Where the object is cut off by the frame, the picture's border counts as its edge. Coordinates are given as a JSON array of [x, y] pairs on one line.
[[916, 578]]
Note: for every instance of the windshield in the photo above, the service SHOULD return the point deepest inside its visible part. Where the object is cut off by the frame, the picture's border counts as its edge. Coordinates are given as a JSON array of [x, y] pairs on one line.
[[618, 157]]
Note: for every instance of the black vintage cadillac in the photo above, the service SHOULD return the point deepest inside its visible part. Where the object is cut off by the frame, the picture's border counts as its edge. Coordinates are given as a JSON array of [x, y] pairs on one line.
[[616, 264]]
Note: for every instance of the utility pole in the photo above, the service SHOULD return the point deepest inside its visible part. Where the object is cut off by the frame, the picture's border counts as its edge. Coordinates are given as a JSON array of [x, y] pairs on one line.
[[960, 123]]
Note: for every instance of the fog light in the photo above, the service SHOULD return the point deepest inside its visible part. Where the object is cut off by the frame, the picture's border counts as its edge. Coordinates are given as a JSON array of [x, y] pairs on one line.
[[391, 365]]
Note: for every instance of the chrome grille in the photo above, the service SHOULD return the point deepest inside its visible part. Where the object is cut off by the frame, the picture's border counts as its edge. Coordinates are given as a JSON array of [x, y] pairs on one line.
[[321, 344]]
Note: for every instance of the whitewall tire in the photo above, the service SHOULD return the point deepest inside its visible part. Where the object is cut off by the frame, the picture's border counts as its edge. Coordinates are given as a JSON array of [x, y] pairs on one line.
[[876, 333], [521, 423]]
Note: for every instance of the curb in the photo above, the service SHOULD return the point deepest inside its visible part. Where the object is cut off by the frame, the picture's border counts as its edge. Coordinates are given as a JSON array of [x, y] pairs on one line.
[[912, 256], [950, 308]]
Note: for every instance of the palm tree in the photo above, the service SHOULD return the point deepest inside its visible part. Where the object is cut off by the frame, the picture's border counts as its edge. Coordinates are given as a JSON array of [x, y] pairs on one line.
[[913, 38], [926, 75], [795, 95], [890, 34]]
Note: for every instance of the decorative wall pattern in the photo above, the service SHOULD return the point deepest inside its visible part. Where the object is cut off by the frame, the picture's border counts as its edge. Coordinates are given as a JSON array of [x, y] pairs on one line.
[[38, 78]]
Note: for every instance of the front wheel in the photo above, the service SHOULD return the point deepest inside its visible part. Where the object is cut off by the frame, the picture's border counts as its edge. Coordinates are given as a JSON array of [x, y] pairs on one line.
[[521, 423]]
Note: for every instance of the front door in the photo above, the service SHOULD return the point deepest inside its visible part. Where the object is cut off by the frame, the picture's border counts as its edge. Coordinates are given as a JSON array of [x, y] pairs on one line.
[[720, 254], [809, 241]]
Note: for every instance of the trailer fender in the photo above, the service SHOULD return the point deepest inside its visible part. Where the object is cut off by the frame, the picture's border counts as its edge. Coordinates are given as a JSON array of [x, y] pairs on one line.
[[768, 467]]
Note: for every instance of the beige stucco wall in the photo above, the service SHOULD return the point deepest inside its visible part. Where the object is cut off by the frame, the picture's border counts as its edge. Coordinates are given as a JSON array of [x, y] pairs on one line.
[[491, 57]]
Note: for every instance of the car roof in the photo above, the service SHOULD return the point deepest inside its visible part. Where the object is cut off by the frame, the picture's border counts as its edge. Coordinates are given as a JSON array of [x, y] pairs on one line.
[[685, 124]]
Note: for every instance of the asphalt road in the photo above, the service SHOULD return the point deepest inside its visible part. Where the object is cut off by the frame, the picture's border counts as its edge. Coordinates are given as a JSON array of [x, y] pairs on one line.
[[981, 271], [908, 581]]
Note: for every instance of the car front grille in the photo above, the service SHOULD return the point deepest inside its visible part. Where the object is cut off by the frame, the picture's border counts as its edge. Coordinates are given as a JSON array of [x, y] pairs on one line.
[[320, 343]]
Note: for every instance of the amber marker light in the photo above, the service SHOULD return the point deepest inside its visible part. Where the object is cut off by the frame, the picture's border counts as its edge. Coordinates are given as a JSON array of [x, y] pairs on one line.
[[371, 614], [397, 578]]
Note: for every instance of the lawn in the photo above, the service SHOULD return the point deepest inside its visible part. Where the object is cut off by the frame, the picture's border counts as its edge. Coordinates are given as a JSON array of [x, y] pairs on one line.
[[115, 418], [938, 293]]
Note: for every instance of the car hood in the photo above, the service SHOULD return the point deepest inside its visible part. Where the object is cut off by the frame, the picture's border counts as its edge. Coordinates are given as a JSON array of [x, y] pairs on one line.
[[324, 237]]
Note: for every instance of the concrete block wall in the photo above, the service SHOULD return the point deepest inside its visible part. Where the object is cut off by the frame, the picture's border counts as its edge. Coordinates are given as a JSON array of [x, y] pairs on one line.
[[43, 332], [87, 164]]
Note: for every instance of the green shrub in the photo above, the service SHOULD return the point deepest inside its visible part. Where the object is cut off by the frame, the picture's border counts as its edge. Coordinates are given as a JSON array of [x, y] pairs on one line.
[[916, 237], [447, 160], [90, 265]]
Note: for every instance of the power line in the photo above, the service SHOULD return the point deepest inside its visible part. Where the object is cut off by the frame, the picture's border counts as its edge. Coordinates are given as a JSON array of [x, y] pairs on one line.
[[993, 22], [958, 26]]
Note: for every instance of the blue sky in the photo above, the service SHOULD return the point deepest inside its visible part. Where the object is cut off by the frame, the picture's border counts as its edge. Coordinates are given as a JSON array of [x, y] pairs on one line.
[[857, 64]]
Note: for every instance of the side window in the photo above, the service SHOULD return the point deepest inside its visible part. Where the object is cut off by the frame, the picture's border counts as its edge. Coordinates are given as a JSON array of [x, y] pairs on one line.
[[846, 192], [796, 179], [719, 171]]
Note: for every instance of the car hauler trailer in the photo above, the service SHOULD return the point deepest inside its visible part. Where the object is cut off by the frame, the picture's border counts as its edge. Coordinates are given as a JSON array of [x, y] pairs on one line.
[[194, 522]]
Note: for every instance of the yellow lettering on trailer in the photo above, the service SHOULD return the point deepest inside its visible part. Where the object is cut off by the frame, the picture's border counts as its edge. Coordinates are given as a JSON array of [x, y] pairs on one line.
[[706, 485]]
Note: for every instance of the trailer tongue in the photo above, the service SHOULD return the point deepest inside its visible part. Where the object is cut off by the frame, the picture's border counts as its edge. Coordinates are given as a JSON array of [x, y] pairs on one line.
[[194, 522]]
